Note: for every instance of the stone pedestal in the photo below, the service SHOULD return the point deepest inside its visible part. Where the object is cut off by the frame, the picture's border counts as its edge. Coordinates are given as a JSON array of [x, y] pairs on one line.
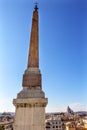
[[30, 103], [30, 113]]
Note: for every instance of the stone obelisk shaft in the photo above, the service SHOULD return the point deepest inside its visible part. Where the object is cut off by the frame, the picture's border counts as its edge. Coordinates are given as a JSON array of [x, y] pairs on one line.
[[33, 57], [32, 76]]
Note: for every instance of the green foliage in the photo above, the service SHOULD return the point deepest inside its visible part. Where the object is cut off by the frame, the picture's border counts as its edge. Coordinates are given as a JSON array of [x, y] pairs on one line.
[[2, 127]]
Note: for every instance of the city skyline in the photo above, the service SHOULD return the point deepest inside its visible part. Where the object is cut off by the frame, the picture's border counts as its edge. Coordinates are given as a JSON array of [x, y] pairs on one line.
[[62, 51]]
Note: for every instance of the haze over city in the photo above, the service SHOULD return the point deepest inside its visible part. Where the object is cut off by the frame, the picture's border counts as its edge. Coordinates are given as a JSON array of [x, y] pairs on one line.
[[62, 50]]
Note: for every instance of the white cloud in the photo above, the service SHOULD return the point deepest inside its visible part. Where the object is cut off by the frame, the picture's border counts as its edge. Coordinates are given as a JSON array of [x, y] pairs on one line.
[[61, 108], [6, 104], [78, 106]]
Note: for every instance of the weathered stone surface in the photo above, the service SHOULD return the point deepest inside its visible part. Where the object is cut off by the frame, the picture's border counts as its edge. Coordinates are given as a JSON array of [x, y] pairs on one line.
[[33, 58], [31, 80], [42, 101], [30, 114], [31, 93]]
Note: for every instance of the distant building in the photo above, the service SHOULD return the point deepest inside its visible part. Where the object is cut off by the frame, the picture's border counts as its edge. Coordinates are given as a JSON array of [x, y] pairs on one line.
[[54, 123], [9, 127], [70, 111], [6, 121], [85, 122], [70, 126]]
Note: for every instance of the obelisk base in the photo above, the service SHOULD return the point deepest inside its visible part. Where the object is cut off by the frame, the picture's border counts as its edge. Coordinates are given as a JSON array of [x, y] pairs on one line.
[[30, 113]]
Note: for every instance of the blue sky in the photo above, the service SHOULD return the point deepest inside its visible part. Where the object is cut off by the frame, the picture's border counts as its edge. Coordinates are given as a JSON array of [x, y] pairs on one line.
[[62, 46]]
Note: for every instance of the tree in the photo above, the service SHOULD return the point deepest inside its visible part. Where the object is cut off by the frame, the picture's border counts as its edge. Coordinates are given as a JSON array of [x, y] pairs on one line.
[[2, 127]]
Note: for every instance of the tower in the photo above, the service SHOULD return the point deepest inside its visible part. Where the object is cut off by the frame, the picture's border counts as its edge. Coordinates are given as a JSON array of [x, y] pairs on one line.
[[31, 102]]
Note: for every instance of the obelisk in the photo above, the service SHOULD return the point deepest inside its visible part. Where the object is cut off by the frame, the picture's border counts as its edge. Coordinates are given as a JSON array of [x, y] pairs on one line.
[[31, 102]]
